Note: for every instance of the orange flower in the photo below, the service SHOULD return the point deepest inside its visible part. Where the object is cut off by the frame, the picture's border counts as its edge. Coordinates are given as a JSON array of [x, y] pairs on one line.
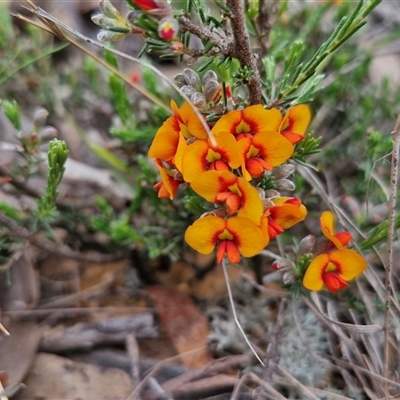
[[203, 155], [333, 270], [235, 193], [295, 123], [251, 120], [286, 212], [233, 237], [166, 140], [168, 186], [263, 151], [327, 222]]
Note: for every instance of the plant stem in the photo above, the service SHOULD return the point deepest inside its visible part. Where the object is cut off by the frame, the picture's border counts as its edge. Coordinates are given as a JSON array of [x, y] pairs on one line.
[[243, 50], [228, 287], [390, 241]]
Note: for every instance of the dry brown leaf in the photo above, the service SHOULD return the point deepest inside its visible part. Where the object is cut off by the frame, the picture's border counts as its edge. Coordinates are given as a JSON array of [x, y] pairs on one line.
[[185, 324]]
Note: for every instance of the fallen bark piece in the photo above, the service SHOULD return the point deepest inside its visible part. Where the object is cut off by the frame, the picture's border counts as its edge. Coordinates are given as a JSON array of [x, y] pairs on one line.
[[85, 336]]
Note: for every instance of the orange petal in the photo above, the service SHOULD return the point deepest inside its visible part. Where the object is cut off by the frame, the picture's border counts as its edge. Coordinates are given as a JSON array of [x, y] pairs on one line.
[[261, 120], [273, 148], [287, 214], [253, 119], [194, 160], [248, 236], [201, 154], [327, 222], [180, 150], [293, 137], [228, 148], [252, 207], [210, 183], [203, 234], [192, 125], [296, 120], [343, 237], [333, 281], [349, 263], [228, 122], [229, 248], [166, 140], [313, 277], [169, 183]]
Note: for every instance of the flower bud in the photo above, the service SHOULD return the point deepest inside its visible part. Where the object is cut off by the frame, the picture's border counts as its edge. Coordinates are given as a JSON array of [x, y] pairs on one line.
[[285, 184], [179, 80], [283, 171], [132, 16], [105, 36], [191, 77], [99, 19], [209, 75], [168, 29], [108, 9], [282, 264], [211, 88], [271, 193], [288, 278], [188, 90], [199, 100], [306, 245]]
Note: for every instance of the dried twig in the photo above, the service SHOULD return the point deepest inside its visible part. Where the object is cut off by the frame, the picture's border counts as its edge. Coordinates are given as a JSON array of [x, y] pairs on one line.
[[134, 358], [390, 240]]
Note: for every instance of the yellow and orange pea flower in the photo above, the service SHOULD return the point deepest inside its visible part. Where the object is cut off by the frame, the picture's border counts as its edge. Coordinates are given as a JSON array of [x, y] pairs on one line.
[[183, 121], [333, 269], [234, 236], [265, 137], [170, 180], [234, 194], [286, 212], [295, 123], [203, 155]]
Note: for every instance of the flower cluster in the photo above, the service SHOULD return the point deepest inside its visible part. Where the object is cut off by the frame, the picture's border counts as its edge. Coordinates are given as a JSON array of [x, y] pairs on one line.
[[227, 166], [334, 266], [325, 264]]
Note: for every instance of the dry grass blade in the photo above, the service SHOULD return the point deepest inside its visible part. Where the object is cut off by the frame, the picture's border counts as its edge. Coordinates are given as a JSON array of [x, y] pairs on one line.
[[293, 381], [269, 393], [390, 242]]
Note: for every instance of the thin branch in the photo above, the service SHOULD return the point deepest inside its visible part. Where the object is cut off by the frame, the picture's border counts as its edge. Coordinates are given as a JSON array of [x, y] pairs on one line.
[[243, 51], [134, 358], [390, 243], [187, 25]]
